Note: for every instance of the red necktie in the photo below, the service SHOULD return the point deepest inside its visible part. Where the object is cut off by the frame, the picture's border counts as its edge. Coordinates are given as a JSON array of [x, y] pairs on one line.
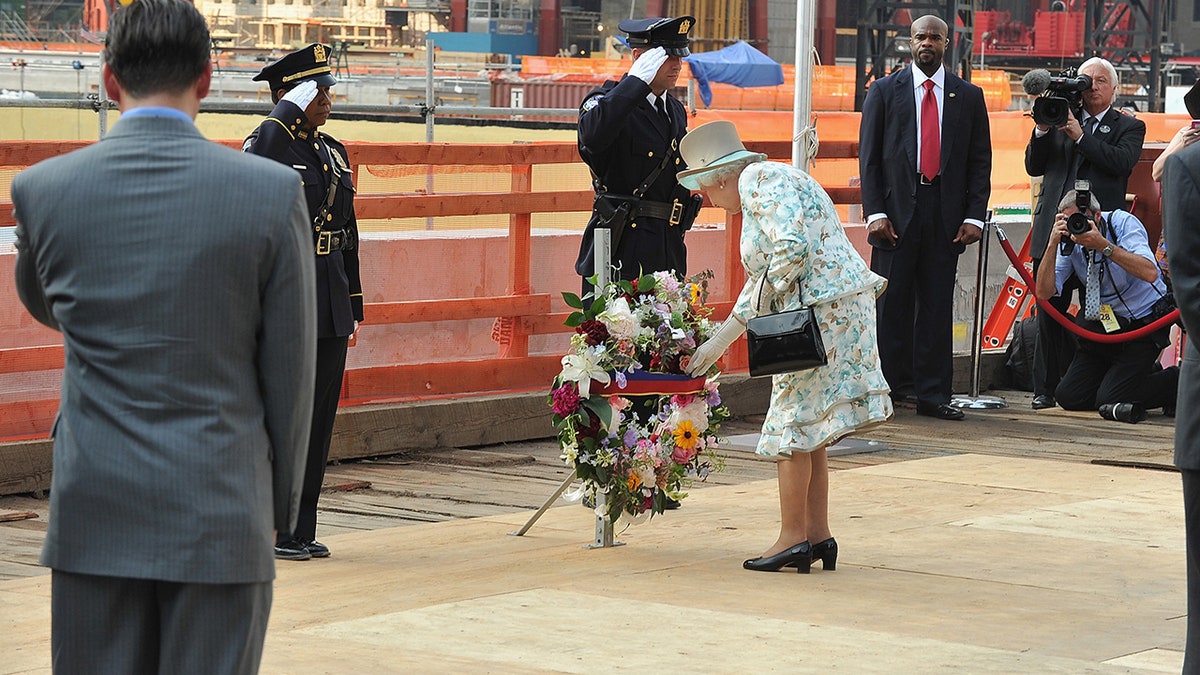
[[931, 137]]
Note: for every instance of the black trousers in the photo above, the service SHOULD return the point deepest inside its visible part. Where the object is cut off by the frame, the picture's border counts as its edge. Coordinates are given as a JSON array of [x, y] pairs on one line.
[[1055, 346], [1191, 519], [915, 312], [1118, 372], [331, 365]]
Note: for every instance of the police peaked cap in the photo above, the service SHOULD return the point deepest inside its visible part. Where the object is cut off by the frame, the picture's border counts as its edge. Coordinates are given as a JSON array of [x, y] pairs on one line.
[[670, 34], [309, 63]]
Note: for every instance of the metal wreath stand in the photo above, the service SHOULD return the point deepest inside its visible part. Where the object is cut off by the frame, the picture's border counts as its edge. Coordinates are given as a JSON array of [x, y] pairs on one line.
[[602, 256], [973, 401]]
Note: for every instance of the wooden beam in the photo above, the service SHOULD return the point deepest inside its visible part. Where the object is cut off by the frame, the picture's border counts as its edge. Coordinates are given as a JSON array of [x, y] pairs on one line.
[[426, 380], [416, 311], [25, 359]]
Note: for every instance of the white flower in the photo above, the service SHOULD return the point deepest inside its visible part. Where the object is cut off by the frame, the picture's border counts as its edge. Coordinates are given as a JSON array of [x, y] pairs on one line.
[[695, 412], [646, 475], [619, 320], [667, 282], [584, 366]]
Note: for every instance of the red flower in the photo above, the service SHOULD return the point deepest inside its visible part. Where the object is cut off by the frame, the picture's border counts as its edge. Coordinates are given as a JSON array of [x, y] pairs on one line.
[[565, 400], [595, 331], [591, 427]]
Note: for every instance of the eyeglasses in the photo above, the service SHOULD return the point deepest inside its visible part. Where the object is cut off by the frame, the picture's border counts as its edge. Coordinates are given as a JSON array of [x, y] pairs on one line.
[[922, 37]]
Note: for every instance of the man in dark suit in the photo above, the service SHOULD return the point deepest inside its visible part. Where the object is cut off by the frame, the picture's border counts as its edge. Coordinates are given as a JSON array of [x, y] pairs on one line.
[[1101, 146], [1181, 203], [629, 133], [300, 83], [179, 273], [925, 160]]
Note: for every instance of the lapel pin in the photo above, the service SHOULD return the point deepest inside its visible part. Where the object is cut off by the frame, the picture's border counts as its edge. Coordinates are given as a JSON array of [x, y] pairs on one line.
[[951, 94], [1104, 128]]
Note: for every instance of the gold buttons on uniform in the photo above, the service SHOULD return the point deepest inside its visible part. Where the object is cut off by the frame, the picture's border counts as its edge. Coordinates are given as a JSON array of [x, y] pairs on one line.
[[633, 225], [316, 146], [324, 167], [298, 120], [650, 154], [317, 228], [676, 160], [328, 216]]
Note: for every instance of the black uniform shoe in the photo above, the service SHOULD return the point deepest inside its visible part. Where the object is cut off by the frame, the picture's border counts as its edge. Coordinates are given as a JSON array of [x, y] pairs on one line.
[[1043, 401], [942, 411], [316, 549], [292, 550], [1123, 412]]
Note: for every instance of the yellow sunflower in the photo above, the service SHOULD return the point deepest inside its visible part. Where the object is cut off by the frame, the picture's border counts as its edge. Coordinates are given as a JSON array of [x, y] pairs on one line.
[[685, 435]]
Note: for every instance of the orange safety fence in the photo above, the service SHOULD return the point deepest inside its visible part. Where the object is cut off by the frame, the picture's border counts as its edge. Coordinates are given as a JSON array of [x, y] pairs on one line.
[[466, 250], [434, 303]]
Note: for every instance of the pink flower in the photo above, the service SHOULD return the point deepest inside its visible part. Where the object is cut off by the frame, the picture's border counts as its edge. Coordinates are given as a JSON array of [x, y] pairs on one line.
[[682, 454], [565, 400]]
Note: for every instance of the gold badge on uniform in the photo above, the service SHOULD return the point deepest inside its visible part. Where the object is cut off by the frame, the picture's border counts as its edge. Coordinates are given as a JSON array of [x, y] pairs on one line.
[[319, 53], [684, 27]]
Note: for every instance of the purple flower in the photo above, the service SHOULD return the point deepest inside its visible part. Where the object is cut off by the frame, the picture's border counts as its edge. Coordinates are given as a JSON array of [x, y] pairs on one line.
[[630, 438]]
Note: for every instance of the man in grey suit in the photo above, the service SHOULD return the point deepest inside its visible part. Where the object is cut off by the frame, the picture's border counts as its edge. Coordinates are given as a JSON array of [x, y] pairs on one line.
[[179, 273], [1181, 204]]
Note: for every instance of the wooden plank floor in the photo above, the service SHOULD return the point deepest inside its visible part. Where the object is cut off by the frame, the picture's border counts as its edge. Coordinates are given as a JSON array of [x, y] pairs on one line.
[[441, 484]]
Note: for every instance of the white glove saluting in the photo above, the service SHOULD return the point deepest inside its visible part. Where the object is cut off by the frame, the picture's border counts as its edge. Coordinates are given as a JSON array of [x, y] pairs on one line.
[[647, 65], [302, 94], [712, 349]]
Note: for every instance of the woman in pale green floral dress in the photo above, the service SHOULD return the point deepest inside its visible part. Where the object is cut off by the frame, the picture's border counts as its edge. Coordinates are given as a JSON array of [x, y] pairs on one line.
[[794, 245]]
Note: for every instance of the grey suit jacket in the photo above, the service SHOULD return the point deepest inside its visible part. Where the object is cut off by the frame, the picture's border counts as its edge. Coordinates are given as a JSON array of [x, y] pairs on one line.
[[180, 274], [1181, 201]]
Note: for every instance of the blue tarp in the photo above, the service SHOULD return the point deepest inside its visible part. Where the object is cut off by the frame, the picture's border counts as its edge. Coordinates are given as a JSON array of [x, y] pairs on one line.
[[738, 64]]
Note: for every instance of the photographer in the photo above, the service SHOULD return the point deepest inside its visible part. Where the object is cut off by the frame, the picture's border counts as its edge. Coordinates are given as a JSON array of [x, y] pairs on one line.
[[1097, 143], [1124, 292]]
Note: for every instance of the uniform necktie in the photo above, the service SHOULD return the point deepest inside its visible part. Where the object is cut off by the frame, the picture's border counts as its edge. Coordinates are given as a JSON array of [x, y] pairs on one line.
[[661, 104], [931, 137], [1091, 300]]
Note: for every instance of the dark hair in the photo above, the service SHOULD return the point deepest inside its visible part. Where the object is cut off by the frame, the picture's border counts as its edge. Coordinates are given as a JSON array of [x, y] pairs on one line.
[[157, 46]]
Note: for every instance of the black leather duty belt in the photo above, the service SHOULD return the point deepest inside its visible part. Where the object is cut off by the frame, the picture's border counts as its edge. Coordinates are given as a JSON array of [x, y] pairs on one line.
[[335, 240], [661, 210]]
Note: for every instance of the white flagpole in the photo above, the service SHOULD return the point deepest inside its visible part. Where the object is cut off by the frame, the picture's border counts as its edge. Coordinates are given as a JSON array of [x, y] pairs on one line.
[[804, 137]]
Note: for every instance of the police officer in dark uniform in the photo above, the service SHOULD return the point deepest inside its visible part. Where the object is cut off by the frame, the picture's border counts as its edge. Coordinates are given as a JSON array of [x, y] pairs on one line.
[[629, 133], [300, 83]]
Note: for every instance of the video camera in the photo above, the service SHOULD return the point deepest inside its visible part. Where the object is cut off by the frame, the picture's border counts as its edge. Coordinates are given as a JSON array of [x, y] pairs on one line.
[[1057, 96], [1079, 222]]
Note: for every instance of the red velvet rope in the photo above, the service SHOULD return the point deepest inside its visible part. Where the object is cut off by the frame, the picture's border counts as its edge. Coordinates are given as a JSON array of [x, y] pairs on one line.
[[1066, 321]]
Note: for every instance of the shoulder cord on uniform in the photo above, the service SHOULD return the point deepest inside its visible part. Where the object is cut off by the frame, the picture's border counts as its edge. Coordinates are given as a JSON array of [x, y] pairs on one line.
[[336, 169], [641, 189]]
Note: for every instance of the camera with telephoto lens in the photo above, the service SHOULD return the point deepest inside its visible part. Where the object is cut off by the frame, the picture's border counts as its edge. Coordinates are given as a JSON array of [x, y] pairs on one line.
[[1079, 222], [1058, 96]]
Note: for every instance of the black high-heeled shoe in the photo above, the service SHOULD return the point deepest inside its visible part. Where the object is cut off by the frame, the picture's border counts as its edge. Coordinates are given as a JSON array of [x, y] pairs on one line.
[[798, 556], [827, 552]]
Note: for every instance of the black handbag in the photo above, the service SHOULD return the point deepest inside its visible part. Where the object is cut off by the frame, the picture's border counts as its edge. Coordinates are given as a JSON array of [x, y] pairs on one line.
[[784, 342]]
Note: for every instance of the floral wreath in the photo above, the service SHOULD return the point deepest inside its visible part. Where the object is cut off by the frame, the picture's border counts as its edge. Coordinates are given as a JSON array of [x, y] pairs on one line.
[[635, 427]]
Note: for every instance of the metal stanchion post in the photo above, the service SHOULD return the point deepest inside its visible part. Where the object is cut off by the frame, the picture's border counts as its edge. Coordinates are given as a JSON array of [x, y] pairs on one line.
[[602, 254], [973, 400]]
